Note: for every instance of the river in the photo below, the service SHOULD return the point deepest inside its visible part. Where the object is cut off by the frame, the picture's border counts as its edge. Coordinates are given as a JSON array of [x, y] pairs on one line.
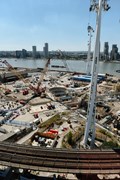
[[72, 65]]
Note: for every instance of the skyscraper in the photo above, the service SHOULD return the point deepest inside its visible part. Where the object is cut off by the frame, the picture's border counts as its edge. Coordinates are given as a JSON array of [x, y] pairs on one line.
[[23, 53], [46, 51], [114, 52], [106, 51], [34, 51]]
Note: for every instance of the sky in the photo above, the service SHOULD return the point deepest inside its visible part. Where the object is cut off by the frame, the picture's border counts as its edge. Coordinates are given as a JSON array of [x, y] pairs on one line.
[[61, 23]]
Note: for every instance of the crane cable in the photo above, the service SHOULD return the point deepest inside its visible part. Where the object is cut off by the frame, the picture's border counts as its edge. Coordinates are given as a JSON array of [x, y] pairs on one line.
[[89, 16]]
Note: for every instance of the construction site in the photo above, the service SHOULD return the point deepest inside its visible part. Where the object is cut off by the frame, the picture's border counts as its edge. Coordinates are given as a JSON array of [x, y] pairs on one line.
[[65, 113], [50, 109]]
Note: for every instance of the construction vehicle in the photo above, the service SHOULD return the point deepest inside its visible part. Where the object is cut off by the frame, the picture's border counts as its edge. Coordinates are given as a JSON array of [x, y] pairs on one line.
[[6, 91], [50, 106], [36, 115], [53, 131], [25, 91], [12, 98]]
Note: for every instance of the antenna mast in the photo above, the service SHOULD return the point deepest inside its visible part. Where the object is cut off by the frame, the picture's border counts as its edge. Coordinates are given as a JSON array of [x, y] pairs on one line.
[[88, 68], [91, 115]]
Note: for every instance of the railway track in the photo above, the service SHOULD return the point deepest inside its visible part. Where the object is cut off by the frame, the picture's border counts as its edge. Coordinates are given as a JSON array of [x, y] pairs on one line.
[[57, 160]]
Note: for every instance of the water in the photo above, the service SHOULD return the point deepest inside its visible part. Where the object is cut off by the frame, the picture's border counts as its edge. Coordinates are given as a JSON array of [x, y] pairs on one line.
[[73, 65]]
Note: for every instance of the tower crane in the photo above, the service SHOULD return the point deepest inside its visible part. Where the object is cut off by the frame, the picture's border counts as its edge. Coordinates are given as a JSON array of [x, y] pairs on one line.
[[39, 90], [64, 61], [18, 74], [91, 115], [36, 90], [12, 69]]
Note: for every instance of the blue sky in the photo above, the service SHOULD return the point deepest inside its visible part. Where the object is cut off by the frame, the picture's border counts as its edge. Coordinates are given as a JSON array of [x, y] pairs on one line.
[[61, 23]]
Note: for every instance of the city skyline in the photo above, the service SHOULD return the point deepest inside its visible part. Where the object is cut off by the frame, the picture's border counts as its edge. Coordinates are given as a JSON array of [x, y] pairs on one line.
[[63, 24]]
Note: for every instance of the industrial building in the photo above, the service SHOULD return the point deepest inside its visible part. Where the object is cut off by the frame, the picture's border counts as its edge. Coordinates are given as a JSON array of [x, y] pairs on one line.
[[6, 76]]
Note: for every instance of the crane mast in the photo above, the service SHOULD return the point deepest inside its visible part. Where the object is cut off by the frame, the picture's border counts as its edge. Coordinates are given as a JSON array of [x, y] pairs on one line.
[[38, 90], [91, 114], [43, 73]]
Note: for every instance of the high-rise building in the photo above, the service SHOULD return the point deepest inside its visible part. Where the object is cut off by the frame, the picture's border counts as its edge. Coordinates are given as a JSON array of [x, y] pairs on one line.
[[23, 53], [34, 52], [46, 51], [106, 51], [114, 55], [18, 54]]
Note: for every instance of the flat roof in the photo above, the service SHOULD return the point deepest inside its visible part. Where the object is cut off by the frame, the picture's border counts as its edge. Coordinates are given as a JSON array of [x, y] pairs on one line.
[[6, 136]]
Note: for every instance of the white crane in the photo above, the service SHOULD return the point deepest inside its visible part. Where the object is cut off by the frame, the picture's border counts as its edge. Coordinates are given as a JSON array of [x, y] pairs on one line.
[[61, 54], [91, 115], [88, 67]]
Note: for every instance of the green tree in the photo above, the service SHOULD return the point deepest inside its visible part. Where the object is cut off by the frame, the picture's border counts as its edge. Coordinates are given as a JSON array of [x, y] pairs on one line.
[[69, 138]]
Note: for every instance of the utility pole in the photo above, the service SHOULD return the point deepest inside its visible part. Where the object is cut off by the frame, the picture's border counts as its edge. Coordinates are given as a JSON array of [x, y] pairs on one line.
[[88, 68], [91, 115]]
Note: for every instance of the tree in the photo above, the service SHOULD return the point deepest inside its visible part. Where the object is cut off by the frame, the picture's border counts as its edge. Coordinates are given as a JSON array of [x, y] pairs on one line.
[[69, 138]]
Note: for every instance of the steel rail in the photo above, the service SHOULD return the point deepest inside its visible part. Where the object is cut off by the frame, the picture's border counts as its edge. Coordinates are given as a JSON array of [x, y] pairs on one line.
[[58, 160]]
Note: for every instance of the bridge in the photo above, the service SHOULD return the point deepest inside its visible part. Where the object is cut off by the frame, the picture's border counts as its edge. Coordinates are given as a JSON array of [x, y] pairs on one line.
[[59, 160]]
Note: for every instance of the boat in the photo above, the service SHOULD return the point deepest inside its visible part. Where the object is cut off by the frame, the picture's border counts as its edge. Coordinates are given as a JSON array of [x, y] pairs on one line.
[[57, 66], [118, 71]]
